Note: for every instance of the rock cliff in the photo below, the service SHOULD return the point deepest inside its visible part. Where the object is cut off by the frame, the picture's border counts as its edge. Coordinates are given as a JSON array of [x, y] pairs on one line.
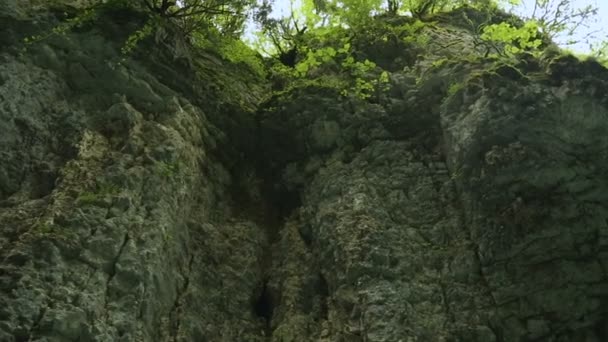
[[179, 199]]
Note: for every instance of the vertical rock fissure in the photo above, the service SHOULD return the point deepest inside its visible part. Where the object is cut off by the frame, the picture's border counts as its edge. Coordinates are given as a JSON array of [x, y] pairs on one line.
[[176, 310], [264, 308], [112, 274], [254, 200], [323, 291], [465, 218]]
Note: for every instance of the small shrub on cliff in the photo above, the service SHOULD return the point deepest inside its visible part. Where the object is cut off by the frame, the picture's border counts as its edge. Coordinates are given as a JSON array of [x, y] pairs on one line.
[[512, 39]]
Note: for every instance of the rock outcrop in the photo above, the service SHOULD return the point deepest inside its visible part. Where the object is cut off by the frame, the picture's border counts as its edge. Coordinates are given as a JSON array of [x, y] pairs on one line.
[[162, 199]]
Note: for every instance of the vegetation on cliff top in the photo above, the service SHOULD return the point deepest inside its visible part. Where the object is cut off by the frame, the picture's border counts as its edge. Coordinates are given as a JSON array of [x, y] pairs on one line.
[[334, 40]]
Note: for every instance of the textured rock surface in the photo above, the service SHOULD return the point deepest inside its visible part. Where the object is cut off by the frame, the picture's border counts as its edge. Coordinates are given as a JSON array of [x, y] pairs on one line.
[[117, 217], [144, 202], [468, 205]]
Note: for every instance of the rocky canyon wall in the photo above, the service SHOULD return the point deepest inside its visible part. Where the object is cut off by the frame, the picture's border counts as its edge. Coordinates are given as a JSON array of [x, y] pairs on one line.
[[164, 199]]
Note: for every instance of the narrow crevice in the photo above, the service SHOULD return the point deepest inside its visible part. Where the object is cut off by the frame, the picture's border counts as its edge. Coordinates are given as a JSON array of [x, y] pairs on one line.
[[482, 277], [263, 307], [261, 199], [446, 304], [465, 221], [323, 291], [177, 306], [258, 197], [112, 273]]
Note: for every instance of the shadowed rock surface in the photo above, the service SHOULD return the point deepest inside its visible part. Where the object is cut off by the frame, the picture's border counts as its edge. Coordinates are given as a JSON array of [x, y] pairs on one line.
[[161, 199]]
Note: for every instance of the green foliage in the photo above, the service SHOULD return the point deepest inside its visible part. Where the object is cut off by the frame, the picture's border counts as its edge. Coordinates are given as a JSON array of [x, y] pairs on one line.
[[314, 58], [322, 36], [183, 20], [331, 50], [383, 32], [423, 8], [549, 18], [600, 52], [71, 23], [352, 12], [439, 62], [238, 52], [512, 39], [337, 12], [233, 50], [138, 36], [364, 81], [363, 77], [327, 84], [454, 88], [189, 16], [91, 14]]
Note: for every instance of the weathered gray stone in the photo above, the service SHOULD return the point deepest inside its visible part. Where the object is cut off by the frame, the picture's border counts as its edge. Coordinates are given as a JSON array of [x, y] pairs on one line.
[[141, 203]]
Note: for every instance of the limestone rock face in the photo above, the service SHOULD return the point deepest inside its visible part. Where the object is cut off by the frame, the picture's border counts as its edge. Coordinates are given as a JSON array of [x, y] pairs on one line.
[[479, 217], [115, 204], [157, 199]]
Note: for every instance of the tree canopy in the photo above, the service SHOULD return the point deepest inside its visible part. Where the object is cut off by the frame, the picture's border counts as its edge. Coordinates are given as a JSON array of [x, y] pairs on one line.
[[299, 40]]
